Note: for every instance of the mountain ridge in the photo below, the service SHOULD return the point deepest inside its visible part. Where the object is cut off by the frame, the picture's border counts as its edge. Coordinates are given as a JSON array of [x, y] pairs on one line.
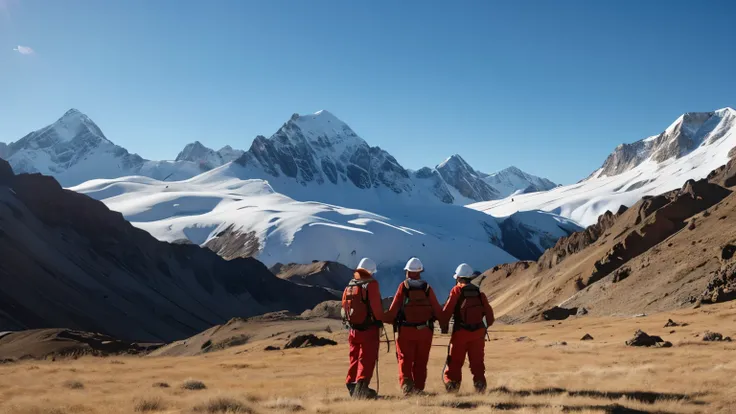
[[317, 148]]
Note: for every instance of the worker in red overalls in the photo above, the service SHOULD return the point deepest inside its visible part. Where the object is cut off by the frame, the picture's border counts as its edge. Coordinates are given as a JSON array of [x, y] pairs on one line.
[[362, 312], [468, 307], [413, 311]]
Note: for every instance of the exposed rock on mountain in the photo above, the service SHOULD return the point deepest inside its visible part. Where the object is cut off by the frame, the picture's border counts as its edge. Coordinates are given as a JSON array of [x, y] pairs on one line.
[[320, 148], [69, 261], [208, 158], [3, 150], [468, 182], [515, 181], [687, 133], [331, 275]]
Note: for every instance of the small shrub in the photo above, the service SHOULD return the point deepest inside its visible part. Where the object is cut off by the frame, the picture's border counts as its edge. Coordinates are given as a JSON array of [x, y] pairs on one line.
[[74, 385], [116, 362], [223, 405], [285, 404], [193, 385], [149, 404], [160, 385]]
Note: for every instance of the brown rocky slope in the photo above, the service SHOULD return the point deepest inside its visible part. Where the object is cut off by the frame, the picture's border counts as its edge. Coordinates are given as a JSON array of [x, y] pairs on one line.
[[663, 253], [68, 261]]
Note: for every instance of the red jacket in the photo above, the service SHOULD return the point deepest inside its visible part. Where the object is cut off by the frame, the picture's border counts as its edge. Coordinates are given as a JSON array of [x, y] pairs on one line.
[[399, 300], [455, 295]]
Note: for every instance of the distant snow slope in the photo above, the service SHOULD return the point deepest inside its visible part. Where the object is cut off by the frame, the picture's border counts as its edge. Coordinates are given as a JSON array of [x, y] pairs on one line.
[[690, 148], [290, 231]]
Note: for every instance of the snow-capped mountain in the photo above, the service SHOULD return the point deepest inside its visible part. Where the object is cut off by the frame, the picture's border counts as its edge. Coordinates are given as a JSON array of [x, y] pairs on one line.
[[208, 158], [237, 216], [515, 181], [690, 148], [317, 149], [73, 150], [469, 183], [320, 149]]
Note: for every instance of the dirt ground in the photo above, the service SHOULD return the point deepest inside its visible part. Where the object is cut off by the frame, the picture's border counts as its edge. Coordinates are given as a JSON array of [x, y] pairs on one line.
[[528, 370]]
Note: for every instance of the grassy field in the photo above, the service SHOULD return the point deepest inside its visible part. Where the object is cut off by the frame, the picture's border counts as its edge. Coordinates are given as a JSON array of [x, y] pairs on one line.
[[529, 370]]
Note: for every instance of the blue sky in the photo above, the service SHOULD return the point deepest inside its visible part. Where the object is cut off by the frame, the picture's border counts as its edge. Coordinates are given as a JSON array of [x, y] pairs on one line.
[[549, 86]]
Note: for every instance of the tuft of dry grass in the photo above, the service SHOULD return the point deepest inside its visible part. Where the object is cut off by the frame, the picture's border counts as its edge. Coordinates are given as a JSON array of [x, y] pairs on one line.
[[145, 405], [193, 385], [222, 405], [161, 385], [74, 385], [289, 405]]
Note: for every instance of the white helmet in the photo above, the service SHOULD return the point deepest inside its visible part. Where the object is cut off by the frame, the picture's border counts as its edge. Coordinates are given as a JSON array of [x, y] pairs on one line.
[[414, 265], [368, 265], [464, 271]]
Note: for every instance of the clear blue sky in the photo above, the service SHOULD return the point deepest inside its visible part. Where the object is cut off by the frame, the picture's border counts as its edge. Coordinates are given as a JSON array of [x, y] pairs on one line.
[[549, 86]]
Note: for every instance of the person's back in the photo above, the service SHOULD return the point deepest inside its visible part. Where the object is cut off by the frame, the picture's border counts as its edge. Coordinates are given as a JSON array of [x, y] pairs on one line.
[[468, 307], [414, 310], [362, 312]]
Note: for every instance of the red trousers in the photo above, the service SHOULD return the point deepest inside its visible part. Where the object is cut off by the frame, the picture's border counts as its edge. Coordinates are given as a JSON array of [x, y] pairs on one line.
[[470, 343], [363, 354], [412, 347]]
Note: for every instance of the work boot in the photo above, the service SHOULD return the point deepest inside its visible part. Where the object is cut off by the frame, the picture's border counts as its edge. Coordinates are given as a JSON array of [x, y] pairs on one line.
[[362, 392], [480, 387], [452, 386], [351, 387], [407, 387]]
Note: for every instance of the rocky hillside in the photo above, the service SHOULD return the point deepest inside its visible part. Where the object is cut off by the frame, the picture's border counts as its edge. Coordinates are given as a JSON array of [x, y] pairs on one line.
[[664, 252], [331, 275], [68, 261]]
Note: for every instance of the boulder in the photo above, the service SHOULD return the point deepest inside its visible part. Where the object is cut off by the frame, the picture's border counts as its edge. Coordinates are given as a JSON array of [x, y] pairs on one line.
[[557, 313], [641, 338], [670, 323], [587, 337], [715, 337], [307, 341]]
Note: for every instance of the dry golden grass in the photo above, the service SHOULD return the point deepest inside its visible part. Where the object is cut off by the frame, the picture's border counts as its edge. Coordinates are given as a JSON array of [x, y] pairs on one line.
[[533, 376]]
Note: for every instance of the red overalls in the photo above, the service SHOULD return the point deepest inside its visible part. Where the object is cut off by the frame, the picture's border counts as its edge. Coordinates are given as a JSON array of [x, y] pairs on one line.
[[414, 343], [364, 344], [465, 342]]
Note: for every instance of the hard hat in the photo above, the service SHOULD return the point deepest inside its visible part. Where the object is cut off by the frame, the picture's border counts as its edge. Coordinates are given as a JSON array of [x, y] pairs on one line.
[[367, 265], [464, 271], [414, 265]]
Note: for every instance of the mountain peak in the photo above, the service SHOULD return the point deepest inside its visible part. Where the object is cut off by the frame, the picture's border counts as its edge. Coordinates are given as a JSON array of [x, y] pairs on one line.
[[454, 160], [72, 112], [513, 170]]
